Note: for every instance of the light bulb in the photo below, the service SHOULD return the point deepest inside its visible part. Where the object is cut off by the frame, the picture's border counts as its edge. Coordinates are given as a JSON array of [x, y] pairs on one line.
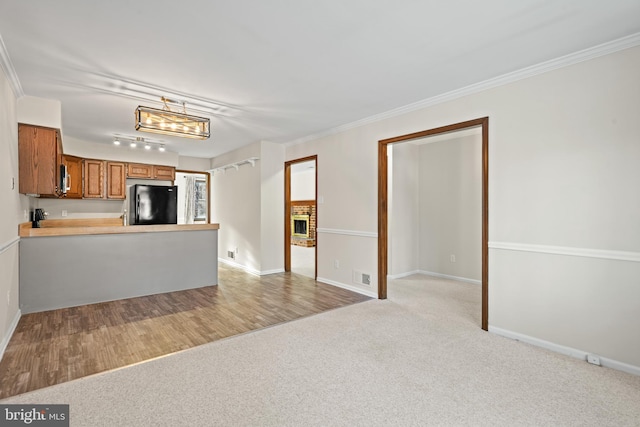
[[148, 120], [186, 128], [162, 124], [132, 145], [116, 141], [173, 126], [147, 147], [198, 129], [161, 148]]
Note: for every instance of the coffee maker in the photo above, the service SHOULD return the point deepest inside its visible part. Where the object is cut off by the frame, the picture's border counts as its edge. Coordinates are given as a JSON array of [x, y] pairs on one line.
[[37, 215]]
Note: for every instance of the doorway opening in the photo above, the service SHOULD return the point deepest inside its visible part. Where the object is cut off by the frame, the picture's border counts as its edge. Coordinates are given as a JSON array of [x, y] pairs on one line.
[[194, 204], [383, 203], [300, 219]]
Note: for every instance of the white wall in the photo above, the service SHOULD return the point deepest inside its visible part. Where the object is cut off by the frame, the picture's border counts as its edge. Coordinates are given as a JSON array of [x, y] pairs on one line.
[[193, 163], [271, 207], [248, 203], [404, 183], [11, 213], [563, 156], [303, 184], [40, 111], [451, 207], [236, 206]]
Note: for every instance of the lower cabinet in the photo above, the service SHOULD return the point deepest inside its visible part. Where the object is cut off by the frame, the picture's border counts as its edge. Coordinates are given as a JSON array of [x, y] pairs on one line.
[[93, 179]]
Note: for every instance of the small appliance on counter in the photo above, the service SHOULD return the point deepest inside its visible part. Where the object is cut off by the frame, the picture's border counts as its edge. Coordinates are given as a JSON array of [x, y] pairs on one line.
[[37, 215]]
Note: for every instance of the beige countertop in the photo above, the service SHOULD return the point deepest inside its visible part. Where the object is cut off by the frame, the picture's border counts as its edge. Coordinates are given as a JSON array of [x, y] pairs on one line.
[[88, 226]]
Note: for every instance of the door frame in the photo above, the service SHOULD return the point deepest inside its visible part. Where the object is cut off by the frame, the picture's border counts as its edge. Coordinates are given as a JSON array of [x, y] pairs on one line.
[[383, 237], [287, 211]]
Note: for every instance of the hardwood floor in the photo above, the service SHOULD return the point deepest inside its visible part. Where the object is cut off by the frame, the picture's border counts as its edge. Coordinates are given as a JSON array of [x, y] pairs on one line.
[[61, 345]]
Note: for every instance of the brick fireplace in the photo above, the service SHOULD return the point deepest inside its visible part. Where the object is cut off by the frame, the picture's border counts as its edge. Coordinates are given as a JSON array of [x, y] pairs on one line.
[[303, 223]]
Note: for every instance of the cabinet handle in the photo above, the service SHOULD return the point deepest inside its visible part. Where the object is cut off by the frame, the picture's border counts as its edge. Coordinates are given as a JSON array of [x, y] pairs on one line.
[[68, 182]]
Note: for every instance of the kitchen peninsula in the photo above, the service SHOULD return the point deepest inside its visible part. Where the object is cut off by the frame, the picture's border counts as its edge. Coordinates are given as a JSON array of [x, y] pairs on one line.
[[71, 262]]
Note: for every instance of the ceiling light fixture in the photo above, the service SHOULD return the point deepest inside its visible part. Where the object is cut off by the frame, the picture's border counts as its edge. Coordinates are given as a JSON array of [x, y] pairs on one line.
[[172, 123], [134, 141]]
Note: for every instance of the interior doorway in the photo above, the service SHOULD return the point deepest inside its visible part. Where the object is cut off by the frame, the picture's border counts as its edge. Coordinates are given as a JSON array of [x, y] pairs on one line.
[[194, 203], [383, 203], [301, 178]]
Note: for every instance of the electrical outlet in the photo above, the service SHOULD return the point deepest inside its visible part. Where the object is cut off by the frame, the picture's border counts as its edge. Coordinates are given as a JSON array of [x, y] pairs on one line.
[[25, 215], [231, 254], [453, 258], [13, 183], [593, 359], [64, 213], [336, 264]]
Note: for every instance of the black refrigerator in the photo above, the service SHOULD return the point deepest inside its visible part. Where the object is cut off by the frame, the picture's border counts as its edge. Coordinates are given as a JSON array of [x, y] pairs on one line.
[[153, 204]]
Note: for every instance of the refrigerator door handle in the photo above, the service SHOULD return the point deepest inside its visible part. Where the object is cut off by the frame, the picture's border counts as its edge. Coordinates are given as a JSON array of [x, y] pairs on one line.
[[137, 207]]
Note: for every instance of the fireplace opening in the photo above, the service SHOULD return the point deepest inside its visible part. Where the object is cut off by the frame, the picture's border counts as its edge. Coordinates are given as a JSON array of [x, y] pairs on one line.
[[300, 226]]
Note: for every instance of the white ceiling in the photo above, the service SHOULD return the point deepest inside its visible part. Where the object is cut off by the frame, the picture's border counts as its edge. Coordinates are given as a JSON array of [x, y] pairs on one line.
[[281, 70]]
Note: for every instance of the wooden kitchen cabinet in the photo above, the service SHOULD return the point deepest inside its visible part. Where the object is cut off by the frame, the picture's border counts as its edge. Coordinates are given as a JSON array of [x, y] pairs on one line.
[[93, 179], [139, 170], [116, 180], [39, 152], [166, 173], [74, 176]]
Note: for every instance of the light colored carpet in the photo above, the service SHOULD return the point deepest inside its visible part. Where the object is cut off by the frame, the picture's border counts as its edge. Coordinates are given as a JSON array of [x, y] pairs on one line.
[[418, 358]]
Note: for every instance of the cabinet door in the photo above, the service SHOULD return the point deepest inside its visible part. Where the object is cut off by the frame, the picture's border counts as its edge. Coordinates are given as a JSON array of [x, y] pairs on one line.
[[38, 158], [116, 181], [167, 173], [93, 179], [138, 170], [74, 176]]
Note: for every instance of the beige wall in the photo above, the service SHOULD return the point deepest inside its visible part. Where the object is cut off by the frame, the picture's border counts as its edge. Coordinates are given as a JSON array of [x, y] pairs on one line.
[[403, 212], [563, 156], [236, 206], [11, 213], [450, 212]]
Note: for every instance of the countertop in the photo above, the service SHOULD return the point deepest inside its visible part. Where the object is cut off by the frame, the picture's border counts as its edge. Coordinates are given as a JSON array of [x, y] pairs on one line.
[[88, 226]]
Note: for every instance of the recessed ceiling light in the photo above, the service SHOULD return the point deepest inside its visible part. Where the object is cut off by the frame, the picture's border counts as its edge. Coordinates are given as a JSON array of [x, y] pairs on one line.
[[133, 144], [147, 147], [161, 148], [116, 141]]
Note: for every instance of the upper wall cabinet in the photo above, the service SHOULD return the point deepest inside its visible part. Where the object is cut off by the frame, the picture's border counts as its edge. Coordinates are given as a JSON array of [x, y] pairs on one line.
[[138, 170], [39, 151], [116, 180], [166, 173], [74, 176], [144, 171], [93, 179]]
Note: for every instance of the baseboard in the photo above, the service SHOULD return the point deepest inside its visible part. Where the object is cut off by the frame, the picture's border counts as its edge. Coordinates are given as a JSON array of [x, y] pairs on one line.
[[348, 287], [240, 266], [568, 351], [275, 271], [12, 328], [447, 276], [402, 275]]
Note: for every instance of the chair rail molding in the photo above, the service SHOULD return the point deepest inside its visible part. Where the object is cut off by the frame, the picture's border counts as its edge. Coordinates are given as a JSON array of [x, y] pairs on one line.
[[569, 251]]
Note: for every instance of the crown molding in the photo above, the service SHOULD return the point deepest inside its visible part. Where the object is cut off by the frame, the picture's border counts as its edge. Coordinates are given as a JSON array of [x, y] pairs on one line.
[[9, 71], [623, 43]]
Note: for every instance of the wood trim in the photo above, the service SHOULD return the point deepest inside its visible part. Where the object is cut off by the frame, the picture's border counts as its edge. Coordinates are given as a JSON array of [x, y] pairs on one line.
[[383, 204], [287, 210], [287, 219]]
